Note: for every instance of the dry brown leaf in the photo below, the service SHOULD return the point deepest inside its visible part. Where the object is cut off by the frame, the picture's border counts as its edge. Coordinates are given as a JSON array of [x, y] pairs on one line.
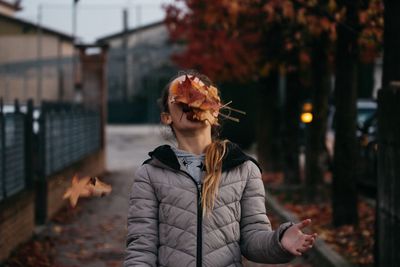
[[85, 187]]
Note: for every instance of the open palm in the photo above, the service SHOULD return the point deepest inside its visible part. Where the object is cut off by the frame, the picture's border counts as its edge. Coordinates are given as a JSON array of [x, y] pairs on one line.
[[297, 242]]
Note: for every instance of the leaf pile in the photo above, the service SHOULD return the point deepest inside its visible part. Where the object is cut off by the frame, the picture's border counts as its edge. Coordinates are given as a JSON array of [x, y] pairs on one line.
[[354, 243], [35, 253]]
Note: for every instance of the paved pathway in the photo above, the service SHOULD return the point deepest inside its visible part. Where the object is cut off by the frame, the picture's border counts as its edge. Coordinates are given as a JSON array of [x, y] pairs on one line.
[[94, 233]]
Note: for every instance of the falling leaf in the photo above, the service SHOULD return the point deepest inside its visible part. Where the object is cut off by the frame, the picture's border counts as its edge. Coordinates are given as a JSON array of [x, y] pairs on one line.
[[85, 187], [98, 188]]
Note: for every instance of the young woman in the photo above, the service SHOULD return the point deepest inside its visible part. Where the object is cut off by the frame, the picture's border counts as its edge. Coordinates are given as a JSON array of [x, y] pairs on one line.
[[202, 203]]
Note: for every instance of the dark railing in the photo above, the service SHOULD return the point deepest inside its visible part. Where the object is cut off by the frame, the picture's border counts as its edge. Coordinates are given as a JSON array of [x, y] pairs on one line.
[[13, 177], [38, 142], [67, 134]]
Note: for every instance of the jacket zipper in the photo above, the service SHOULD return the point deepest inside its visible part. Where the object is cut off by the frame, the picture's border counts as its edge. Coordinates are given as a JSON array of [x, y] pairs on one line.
[[199, 227], [199, 252]]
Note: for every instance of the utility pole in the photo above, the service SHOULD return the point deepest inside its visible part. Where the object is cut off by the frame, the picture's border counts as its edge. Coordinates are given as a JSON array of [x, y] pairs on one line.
[[75, 73], [138, 15], [125, 55], [39, 55]]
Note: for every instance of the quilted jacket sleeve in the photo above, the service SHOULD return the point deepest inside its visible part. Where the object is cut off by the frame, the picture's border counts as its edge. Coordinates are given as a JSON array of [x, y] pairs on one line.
[[258, 242], [142, 239]]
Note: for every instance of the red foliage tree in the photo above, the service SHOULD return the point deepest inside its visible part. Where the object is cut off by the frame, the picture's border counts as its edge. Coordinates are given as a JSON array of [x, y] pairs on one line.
[[249, 40], [221, 37]]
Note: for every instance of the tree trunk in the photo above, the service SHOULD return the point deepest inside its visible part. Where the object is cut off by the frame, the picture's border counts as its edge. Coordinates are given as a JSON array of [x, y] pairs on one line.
[[391, 41], [316, 149], [344, 193], [388, 201], [365, 79], [291, 130], [266, 125]]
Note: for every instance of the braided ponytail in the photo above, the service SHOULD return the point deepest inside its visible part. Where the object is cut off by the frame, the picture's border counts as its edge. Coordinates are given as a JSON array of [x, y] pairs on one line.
[[215, 152]]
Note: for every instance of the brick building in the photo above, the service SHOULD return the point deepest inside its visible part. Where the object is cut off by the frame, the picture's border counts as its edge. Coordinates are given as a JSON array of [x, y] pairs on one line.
[[139, 66], [35, 61]]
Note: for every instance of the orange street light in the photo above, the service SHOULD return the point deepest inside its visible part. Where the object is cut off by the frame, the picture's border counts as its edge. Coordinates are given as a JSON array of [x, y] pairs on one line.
[[306, 114], [306, 117]]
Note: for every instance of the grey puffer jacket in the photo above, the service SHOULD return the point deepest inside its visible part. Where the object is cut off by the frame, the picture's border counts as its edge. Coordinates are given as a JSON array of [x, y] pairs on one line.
[[166, 226]]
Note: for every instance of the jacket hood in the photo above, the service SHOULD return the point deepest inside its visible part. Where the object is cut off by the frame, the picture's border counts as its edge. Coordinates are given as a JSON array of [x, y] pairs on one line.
[[165, 155]]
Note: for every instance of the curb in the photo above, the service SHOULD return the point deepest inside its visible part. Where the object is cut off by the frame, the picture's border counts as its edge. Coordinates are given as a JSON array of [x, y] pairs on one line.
[[321, 254]]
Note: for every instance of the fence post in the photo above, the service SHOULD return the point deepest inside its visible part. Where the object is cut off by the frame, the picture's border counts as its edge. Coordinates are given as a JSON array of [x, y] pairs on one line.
[[41, 182], [388, 201], [2, 151], [29, 156], [16, 106]]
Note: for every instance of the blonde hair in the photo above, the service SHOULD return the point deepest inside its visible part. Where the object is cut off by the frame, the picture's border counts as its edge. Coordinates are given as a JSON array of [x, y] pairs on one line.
[[215, 153]]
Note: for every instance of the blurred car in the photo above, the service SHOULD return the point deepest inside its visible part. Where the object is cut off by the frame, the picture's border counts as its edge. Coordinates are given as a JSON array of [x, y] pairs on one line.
[[366, 134], [367, 149]]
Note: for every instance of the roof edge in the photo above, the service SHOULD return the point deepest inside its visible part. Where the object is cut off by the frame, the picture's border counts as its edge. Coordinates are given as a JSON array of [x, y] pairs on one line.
[[31, 24], [16, 6], [130, 31]]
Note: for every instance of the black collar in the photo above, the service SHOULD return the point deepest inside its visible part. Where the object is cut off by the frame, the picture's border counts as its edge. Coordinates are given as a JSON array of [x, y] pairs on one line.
[[233, 157]]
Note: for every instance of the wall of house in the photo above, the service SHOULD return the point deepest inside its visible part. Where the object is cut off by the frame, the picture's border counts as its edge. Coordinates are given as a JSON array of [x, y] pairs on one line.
[[7, 11], [17, 222], [20, 81], [19, 48]]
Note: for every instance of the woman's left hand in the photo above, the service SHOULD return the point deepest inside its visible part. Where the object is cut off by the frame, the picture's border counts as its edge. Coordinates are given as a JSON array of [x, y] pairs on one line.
[[297, 242]]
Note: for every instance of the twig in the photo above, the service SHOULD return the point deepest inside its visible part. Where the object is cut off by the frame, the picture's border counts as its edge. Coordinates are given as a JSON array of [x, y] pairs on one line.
[[229, 118]]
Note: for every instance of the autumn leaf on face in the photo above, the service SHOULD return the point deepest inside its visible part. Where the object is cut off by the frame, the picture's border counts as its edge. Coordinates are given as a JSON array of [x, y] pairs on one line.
[[180, 91], [85, 187], [195, 94], [200, 115], [202, 101]]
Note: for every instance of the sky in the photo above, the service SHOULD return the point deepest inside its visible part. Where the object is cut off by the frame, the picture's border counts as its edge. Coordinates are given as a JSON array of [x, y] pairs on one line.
[[95, 18]]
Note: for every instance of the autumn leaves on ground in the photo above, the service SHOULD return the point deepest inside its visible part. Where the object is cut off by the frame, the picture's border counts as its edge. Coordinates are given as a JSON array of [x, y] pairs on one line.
[[90, 234], [356, 244]]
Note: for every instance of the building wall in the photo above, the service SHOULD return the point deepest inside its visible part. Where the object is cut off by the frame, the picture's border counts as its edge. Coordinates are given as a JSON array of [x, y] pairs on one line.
[[17, 222], [17, 48], [21, 69], [148, 50], [137, 75], [20, 80], [9, 27], [6, 11]]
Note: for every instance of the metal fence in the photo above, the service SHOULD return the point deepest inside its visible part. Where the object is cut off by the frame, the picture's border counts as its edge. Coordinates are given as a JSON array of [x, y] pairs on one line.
[[12, 152], [37, 142], [67, 134]]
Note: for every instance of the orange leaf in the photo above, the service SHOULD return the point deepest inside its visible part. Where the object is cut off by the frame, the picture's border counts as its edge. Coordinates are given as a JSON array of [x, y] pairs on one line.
[[85, 187]]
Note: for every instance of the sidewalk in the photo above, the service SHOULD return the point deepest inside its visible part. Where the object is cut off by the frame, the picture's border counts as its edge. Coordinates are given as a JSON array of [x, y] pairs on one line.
[[96, 237], [93, 234]]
